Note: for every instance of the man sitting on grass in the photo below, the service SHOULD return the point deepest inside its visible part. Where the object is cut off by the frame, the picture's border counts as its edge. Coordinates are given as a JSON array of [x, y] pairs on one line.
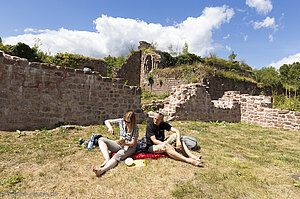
[[156, 142]]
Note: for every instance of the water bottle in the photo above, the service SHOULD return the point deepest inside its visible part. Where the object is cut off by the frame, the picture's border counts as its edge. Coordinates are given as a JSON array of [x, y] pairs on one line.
[[91, 142]]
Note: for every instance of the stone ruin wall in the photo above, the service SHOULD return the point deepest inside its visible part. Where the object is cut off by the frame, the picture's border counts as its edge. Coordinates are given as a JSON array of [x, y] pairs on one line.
[[258, 110], [36, 95], [131, 70], [98, 65], [216, 86], [193, 102], [164, 86]]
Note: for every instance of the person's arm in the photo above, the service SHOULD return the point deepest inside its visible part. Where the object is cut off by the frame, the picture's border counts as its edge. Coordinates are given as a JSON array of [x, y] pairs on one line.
[[131, 143], [109, 123], [154, 140], [178, 138]]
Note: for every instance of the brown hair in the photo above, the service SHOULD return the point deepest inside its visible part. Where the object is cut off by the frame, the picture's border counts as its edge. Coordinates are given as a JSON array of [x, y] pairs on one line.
[[130, 116]]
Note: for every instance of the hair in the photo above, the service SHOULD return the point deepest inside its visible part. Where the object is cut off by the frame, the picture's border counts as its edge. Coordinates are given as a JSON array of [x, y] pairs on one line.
[[130, 116], [160, 115]]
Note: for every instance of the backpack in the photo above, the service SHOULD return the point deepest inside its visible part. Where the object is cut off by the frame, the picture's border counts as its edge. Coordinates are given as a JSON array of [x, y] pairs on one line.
[[141, 145], [94, 139], [190, 142]]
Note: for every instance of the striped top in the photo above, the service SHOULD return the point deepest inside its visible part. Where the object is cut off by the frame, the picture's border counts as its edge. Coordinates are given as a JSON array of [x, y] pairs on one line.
[[128, 136]]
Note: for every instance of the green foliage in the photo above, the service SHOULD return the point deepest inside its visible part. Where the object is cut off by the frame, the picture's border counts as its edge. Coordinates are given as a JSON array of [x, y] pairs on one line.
[[68, 60], [131, 49], [147, 95], [169, 60], [172, 51], [35, 55], [185, 49], [290, 74], [232, 56], [182, 59], [286, 102], [150, 79], [113, 62], [1, 44], [154, 44], [160, 81], [163, 96], [269, 76], [22, 50]]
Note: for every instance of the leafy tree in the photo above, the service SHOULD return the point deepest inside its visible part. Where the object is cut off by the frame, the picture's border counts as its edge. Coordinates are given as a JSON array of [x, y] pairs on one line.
[[269, 76], [172, 51], [185, 49], [113, 62], [232, 56], [1, 44], [154, 44], [290, 74], [21, 50]]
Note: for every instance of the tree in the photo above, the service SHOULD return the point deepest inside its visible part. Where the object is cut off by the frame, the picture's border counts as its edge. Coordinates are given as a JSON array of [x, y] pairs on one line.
[[269, 76], [1, 44], [232, 56], [172, 51], [185, 49], [290, 74]]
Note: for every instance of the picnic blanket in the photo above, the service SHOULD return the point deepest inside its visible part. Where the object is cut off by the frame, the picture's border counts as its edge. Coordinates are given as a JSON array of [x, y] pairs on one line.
[[143, 155]]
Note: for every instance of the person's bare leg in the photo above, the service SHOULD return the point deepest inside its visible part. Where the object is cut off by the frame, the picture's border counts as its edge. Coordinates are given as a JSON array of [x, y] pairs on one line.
[[105, 152], [109, 165], [177, 156], [189, 153]]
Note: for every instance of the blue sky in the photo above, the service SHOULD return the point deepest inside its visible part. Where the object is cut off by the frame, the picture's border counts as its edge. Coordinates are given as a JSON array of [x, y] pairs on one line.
[[262, 32]]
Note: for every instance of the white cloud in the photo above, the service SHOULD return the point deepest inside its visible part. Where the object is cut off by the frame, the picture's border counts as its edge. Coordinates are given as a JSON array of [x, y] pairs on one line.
[[228, 48], [30, 30], [261, 6], [245, 37], [271, 38], [115, 36], [286, 60], [227, 36], [240, 10], [267, 23]]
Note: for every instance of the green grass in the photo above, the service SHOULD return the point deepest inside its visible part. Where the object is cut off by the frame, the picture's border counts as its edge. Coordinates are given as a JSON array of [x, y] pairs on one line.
[[286, 102], [240, 161]]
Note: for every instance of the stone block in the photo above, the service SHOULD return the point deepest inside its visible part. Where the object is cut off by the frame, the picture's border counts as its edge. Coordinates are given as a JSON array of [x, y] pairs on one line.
[[283, 111]]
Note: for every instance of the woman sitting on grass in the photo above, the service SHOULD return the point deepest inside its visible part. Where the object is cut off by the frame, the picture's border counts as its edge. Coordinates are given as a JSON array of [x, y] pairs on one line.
[[128, 131]]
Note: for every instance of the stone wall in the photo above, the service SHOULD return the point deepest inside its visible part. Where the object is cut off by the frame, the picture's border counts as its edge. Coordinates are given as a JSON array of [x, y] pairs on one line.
[[35, 95], [161, 84], [98, 65], [218, 86], [131, 70], [258, 110], [193, 102]]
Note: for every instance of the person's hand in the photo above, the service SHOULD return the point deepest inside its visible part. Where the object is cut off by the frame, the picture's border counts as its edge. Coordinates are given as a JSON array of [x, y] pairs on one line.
[[121, 142], [179, 147], [111, 131]]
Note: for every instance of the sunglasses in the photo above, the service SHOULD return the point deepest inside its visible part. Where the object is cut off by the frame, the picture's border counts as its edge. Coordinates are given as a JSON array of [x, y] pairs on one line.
[[126, 122]]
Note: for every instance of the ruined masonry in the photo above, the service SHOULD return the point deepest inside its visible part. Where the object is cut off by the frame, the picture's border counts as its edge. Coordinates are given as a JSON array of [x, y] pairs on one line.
[[36, 95], [193, 102]]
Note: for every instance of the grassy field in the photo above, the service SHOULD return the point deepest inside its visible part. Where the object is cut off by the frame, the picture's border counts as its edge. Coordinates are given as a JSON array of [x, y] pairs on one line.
[[240, 161]]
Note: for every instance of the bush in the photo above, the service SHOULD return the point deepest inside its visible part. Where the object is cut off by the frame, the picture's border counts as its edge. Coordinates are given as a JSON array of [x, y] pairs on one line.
[[22, 50], [182, 59]]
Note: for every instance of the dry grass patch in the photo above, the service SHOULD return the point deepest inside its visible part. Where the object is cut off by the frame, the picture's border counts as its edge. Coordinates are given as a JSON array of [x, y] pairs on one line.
[[240, 161]]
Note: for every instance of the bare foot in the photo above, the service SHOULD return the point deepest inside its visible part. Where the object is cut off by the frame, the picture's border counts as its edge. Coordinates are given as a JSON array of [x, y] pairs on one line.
[[98, 172], [104, 163], [195, 157], [195, 162]]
